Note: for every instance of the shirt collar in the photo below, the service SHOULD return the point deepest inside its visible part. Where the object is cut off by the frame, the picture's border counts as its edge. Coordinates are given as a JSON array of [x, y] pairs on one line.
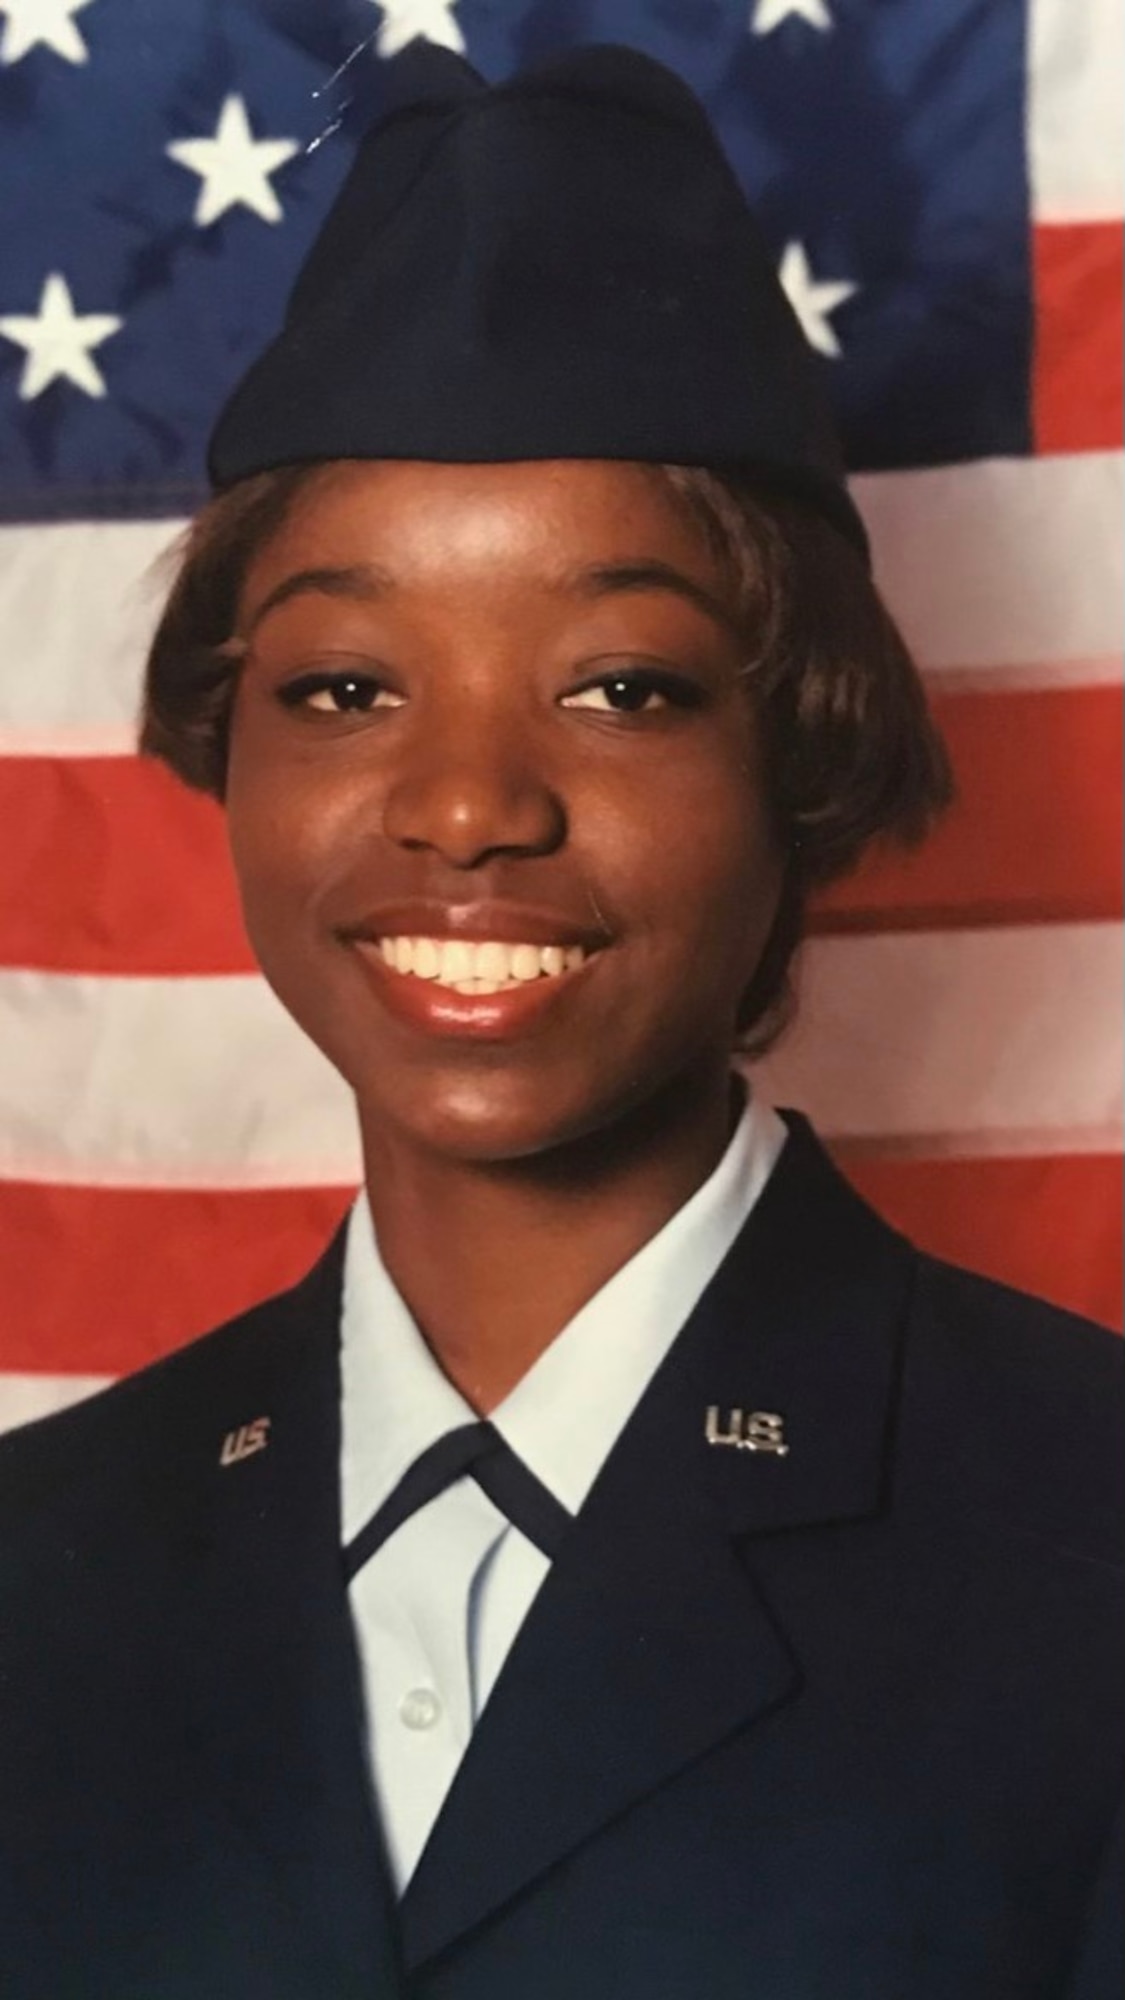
[[566, 1413]]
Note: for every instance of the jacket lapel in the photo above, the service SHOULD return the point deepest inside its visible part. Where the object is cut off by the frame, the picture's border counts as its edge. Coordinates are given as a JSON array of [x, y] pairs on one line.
[[650, 1642], [269, 1679]]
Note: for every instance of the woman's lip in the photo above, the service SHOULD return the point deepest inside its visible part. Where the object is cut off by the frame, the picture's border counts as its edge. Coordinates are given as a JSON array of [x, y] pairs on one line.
[[439, 1010], [480, 922]]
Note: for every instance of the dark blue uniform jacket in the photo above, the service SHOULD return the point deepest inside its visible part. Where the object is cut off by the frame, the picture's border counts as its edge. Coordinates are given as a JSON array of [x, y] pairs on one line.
[[844, 1722]]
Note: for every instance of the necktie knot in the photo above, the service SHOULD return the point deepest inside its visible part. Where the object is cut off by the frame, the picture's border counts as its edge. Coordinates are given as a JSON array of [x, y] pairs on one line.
[[479, 1450]]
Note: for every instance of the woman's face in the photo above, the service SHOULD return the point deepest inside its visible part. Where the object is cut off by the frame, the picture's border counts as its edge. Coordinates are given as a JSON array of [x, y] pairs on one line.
[[500, 705]]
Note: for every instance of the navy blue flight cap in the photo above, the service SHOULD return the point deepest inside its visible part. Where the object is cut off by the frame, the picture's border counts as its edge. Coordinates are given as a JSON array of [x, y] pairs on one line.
[[560, 266]]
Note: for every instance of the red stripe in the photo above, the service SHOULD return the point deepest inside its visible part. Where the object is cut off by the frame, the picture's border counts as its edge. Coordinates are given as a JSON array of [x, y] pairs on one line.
[[1079, 270], [108, 865], [100, 1282], [1048, 1226], [1036, 834]]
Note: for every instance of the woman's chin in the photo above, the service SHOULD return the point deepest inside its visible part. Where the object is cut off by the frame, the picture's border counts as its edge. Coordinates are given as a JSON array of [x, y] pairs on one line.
[[578, 1126], [467, 1128]]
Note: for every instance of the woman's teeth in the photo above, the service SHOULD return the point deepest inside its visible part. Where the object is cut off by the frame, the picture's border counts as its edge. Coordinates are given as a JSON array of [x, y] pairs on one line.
[[479, 968]]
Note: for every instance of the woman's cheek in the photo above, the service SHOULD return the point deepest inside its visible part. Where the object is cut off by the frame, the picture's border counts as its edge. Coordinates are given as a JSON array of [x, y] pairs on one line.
[[289, 836]]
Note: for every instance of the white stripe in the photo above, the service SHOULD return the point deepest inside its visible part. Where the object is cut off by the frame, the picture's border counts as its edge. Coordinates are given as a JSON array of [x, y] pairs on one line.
[[78, 604], [23, 1398], [1011, 568], [1076, 110], [206, 1082], [1009, 564], [984, 1041], [119, 1082]]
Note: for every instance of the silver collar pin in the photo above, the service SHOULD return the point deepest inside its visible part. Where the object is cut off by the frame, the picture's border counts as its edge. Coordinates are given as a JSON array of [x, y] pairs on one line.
[[752, 1430]]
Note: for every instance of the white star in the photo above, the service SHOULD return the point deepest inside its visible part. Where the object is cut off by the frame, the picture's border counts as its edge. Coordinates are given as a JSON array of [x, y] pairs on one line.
[[812, 300], [234, 166], [769, 14], [48, 21], [405, 20], [58, 341]]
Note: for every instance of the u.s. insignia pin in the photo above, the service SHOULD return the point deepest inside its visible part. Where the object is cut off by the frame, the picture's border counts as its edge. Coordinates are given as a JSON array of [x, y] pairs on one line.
[[752, 1430], [245, 1441]]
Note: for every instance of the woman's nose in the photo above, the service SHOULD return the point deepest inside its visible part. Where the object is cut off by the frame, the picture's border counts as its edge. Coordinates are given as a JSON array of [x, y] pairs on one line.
[[471, 793]]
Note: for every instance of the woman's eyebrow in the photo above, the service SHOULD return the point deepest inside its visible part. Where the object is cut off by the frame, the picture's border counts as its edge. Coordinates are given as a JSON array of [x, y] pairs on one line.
[[366, 582], [648, 573], [363, 581]]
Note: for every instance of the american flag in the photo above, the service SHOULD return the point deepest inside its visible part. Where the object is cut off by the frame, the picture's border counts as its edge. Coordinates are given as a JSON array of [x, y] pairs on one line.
[[942, 181]]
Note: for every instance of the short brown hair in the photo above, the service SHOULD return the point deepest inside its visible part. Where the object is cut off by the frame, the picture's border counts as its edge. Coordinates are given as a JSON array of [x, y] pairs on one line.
[[851, 752]]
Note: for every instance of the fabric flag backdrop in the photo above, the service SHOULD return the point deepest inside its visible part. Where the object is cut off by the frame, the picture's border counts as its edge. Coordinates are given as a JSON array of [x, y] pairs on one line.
[[942, 180]]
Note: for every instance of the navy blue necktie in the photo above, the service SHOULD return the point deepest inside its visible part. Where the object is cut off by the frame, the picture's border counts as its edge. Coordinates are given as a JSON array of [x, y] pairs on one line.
[[480, 1451]]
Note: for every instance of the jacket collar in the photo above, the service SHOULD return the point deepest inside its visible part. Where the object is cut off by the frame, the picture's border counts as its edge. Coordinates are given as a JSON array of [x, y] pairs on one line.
[[649, 1633]]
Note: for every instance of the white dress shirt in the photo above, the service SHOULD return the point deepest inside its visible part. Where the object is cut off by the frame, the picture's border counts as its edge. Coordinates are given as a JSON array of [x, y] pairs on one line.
[[437, 1607]]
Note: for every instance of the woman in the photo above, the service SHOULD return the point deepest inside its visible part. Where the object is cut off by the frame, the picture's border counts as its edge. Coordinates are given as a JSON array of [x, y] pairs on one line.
[[624, 1565]]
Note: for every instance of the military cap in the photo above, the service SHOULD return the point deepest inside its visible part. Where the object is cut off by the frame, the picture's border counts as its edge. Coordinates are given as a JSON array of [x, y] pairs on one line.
[[563, 265]]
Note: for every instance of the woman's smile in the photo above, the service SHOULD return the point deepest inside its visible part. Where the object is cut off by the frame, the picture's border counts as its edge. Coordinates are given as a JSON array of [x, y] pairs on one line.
[[494, 795], [461, 999], [435, 968]]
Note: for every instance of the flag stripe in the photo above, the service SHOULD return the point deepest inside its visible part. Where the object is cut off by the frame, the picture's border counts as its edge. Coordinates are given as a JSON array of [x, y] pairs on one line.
[[1050, 1226], [994, 1040], [166, 1083], [78, 604], [981, 564], [1076, 121], [110, 865], [1006, 853], [145, 1270], [978, 561], [1079, 343]]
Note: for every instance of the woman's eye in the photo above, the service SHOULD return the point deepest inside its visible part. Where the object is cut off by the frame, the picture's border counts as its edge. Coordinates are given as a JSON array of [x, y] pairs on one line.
[[339, 694], [635, 693]]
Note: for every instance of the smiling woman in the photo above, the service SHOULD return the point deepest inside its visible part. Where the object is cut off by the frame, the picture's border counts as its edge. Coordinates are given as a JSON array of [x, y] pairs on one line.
[[624, 1565]]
